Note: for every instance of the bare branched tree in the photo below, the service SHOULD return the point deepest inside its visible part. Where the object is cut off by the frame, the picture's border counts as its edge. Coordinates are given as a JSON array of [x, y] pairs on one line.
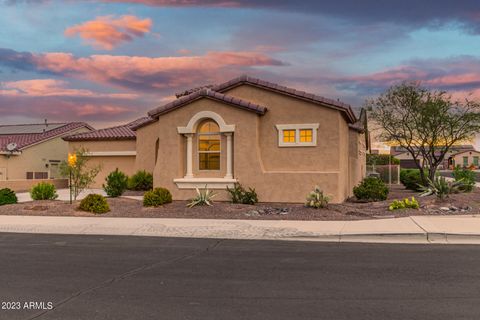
[[423, 122]]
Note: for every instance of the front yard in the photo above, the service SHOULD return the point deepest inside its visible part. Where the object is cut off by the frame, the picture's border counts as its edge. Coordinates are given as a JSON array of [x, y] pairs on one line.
[[462, 203]]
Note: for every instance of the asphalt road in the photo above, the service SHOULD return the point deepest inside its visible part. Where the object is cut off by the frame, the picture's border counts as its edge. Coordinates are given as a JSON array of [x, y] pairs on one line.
[[98, 277]]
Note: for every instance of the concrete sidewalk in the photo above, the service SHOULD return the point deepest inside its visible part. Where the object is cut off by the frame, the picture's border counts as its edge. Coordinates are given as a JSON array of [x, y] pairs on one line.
[[420, 229]]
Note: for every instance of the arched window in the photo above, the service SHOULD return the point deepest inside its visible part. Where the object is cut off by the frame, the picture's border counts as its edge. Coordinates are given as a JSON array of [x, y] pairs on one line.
[[208, 145]]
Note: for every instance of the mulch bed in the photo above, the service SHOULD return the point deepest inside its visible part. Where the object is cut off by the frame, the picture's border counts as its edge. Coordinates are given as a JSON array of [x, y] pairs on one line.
[[463, 203]]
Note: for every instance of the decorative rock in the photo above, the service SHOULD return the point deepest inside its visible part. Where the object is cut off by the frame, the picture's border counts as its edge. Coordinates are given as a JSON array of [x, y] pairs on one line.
[[445, 208]]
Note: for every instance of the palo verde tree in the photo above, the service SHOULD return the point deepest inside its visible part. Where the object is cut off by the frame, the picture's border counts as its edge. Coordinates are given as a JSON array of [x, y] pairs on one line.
[[425, 123], [82, 176]]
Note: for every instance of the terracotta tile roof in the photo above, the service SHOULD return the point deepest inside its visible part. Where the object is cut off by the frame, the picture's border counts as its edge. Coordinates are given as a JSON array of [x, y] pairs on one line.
[[347, 109], [192, 90], [25, 140], [207, 93], [217, 93], [123, 132]]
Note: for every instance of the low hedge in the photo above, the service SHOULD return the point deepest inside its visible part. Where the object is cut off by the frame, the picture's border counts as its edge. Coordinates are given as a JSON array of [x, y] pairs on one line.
[[7, 196], [157, 197], [141, 181], [115, 183], [411, 179], [95, 203], [371, 189], [44, 191]]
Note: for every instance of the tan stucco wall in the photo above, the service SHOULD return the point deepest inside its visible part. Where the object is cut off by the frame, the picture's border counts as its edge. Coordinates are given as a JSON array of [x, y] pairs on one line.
[[277, 174], [146, 141], [36, 157], [126, 164], [357, 160]]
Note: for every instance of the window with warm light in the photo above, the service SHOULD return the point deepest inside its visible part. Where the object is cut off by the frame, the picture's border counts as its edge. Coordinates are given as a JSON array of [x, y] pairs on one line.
[[209, 146], [288, 136], [297, 135], [306, 135]]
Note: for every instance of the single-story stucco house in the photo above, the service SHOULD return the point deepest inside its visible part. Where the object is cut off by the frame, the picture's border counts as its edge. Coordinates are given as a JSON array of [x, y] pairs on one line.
[[31, 152], [278, 140]]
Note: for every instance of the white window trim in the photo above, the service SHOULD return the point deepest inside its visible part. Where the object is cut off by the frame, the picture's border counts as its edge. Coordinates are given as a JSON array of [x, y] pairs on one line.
[[200, 183], [297, 128]]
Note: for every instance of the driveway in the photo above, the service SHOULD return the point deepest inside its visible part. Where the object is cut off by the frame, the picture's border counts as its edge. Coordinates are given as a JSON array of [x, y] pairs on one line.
[[63, 194]]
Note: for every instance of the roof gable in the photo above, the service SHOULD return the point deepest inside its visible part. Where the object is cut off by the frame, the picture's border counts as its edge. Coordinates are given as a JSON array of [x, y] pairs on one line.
[[209, 94], [329, 103]]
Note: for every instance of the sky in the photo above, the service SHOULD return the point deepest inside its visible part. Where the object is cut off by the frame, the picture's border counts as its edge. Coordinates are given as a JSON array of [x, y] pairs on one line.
[[107, 62]]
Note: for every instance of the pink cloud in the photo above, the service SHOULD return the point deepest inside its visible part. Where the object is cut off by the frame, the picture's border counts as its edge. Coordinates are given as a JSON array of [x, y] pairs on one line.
[[459, 76], [52, 88], [108, 32], [391, 76], [183, 3], [151, 73], [64, 109]]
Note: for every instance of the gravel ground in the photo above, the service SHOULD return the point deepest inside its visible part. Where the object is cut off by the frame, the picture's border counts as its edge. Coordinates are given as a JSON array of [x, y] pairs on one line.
[[121, 207]]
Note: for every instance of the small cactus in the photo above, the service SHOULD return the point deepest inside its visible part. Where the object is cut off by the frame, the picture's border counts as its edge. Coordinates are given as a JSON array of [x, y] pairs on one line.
[[316, 199]]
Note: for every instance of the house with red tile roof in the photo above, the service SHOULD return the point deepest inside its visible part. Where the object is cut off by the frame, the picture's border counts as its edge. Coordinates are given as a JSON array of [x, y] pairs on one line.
[[34, 151], [279, 140]]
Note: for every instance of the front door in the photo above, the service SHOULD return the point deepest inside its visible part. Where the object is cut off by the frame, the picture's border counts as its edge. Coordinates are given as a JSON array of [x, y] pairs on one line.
[[3, 174]]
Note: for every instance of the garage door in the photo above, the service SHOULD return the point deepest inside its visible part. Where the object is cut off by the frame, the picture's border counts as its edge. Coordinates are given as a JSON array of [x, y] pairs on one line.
[[408, 164]]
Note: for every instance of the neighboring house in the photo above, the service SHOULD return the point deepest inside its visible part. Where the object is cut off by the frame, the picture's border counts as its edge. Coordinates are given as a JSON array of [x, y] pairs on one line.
[[406, 159], [109, 148], [34, 151], [465, 159], [278, 140]]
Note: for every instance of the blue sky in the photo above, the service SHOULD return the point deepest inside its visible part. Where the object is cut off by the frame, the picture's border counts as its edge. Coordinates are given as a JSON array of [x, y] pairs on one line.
[[110, 61]]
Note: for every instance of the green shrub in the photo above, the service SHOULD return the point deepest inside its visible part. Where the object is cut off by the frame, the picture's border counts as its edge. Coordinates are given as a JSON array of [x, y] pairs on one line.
[[441, 188], [116, 183], [7, 196], [157, 197], [43, 191], [466, 176], [204, 197], [240, 195], [381, 159], [411, 179], [316, 199], [141, 181], [404, 204], [371, 189], [95, 203]]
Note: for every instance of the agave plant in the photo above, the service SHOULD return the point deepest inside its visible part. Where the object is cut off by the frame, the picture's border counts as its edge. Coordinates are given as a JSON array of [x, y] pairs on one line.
[[316, 199], [440, 187], [204, 197]]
